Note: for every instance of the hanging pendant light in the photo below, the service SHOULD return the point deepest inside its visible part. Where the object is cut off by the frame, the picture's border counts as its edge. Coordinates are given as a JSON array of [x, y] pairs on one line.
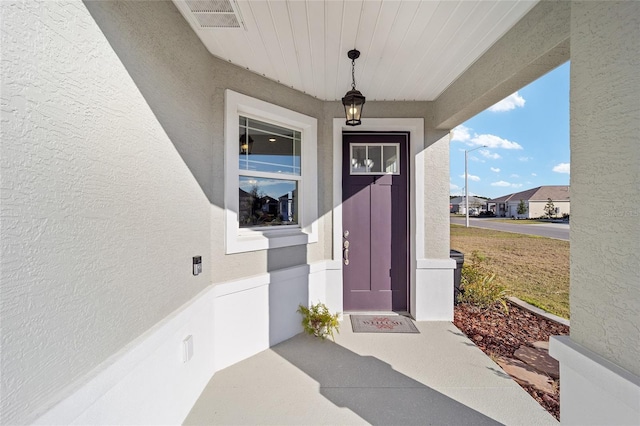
[[353, 101]]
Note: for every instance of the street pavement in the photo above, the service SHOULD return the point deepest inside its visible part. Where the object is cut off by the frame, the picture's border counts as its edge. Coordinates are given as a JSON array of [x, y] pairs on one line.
[[559, 231]]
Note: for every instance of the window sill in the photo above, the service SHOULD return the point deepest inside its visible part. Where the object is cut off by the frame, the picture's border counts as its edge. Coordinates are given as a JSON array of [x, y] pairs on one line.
[[254, 240]]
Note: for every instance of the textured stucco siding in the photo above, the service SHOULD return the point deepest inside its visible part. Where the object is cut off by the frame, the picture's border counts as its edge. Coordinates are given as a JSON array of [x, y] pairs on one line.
[[436, 199], [100, 212], [605, 180], [155, 42]]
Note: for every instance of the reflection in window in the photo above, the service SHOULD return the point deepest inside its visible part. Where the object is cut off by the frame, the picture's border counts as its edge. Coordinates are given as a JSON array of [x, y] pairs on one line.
[[268, 148], [375, 159], [267, 202]]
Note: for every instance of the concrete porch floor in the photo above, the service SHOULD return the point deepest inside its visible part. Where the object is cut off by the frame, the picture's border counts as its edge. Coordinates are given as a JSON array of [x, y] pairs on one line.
[[436, 377]]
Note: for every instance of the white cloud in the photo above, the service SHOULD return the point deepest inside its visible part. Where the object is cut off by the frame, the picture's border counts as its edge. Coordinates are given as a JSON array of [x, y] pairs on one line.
[[534, 174], [514, 175], [506, 184], [461, 134], [493, 141], [495, 169], [562, 168], [488, 154], [471, 177], [453, 186], [512, 101], [525, 159]]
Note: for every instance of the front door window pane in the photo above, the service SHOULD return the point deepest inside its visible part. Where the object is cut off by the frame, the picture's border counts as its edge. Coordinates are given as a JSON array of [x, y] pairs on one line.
[[358, 156], [390, 159], [375, 159]]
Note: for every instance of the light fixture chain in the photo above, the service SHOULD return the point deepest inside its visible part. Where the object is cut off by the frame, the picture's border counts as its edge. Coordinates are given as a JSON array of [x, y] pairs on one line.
[[353, 74]]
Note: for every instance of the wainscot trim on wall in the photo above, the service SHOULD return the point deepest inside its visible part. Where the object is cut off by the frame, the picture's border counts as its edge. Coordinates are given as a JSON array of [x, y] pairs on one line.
[[595, 391], [148, 382]]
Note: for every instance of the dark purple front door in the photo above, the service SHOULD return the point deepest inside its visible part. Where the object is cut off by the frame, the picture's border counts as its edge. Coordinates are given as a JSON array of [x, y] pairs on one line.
[[375, 221]]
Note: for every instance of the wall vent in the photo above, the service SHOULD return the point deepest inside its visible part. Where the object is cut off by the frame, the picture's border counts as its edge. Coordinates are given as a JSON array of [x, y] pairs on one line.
[[215, 14]]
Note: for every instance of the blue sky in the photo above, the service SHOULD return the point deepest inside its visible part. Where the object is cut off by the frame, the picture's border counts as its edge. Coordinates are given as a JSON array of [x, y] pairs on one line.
[[527, 138]]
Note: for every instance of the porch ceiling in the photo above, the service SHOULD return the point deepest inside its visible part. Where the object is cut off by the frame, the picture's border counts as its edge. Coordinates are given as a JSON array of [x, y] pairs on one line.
[[410, 50]]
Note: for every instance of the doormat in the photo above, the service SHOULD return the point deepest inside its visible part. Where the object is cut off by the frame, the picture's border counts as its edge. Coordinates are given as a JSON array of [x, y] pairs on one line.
[[382, 324]]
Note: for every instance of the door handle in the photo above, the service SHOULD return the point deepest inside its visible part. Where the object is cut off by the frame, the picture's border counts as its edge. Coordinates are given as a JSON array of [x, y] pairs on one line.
[[345, 244]]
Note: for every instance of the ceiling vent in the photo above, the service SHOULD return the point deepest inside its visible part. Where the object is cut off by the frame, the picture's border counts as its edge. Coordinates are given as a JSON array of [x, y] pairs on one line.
[[215, 14]]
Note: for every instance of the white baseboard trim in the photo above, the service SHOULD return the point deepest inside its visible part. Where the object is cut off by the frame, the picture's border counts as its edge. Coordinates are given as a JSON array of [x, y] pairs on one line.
[[147, 382], [594, 390], [128, 389]]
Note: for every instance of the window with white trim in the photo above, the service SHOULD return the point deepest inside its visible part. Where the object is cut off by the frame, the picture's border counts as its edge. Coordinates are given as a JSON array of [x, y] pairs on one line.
[[270, 175]]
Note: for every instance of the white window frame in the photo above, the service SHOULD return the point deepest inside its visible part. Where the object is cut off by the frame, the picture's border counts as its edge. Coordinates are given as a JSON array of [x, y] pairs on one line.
[[251, 239]]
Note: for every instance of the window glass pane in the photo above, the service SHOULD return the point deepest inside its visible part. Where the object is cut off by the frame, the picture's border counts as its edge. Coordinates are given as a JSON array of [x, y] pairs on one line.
[[374, 163], [267, 202], [358, 155], [270, 128], [268, 148], [390, 157], [375, 159]]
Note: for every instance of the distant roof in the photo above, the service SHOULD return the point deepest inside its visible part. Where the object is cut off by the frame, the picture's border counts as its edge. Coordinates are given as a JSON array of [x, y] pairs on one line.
[[541, 193], [472, 200]]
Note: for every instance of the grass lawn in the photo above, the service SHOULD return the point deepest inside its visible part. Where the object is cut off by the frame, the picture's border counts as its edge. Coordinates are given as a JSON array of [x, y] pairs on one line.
[[534, 269]]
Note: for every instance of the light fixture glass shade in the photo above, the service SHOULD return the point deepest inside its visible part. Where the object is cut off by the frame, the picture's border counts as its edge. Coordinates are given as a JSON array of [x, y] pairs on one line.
[[353, 103]]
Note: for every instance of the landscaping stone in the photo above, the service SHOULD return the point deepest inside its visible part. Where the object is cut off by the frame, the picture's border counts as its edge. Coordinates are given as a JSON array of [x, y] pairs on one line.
[[526, 375], [539, 359], [504, 333], [541, 345]]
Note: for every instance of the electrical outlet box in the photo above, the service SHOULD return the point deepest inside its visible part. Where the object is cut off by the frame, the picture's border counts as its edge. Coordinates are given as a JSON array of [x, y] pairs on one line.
[[197, 265]]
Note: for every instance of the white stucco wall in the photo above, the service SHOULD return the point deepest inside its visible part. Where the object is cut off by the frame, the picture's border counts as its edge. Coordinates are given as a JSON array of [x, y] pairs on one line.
[[100, 214], [605, 177]]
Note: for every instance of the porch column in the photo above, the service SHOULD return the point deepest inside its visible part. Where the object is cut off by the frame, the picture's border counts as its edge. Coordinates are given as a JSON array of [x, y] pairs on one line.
[[599, 362], [432, 297]]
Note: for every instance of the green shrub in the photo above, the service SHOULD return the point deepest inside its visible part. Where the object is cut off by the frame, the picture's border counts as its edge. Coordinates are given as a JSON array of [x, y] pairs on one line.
[[479, 286], [318, 321]]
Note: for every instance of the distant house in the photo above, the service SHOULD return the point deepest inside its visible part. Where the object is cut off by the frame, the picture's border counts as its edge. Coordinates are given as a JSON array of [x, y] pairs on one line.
[[457, 204], [535, 200]]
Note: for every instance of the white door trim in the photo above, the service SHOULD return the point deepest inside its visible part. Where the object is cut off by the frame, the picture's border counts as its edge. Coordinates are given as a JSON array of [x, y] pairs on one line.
[[415, 128]]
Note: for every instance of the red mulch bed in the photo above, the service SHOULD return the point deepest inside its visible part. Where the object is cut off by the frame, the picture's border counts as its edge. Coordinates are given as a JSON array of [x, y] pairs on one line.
[[500, 334]]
